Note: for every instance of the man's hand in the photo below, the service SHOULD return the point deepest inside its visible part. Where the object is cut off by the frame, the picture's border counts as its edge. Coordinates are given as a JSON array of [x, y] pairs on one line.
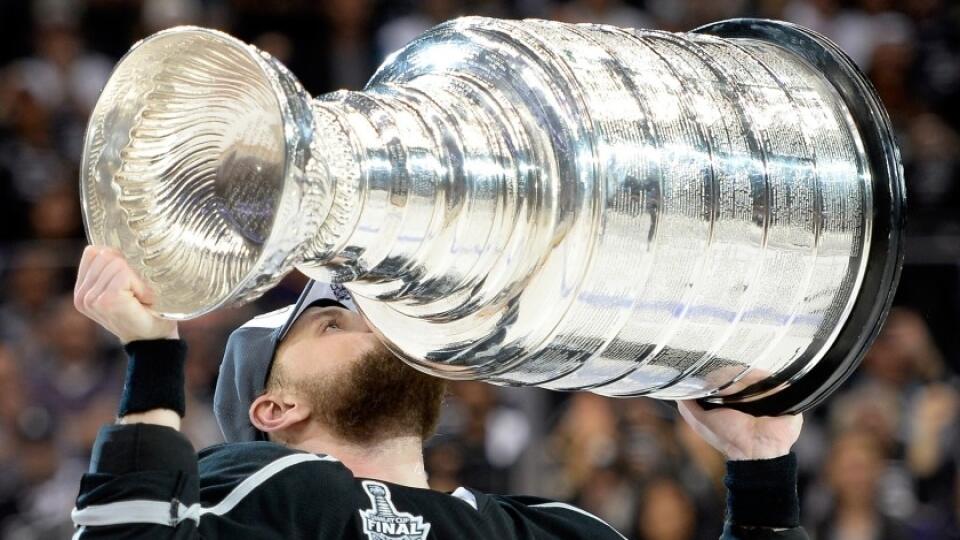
[[110, 292], [740, 436]]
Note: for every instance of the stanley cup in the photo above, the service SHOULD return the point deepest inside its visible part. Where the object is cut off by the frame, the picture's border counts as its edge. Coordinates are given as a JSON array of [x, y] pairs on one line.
[[715, 214]]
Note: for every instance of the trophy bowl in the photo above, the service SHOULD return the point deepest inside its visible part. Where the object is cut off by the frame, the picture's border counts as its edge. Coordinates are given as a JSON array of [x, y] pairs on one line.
[[219, 125]]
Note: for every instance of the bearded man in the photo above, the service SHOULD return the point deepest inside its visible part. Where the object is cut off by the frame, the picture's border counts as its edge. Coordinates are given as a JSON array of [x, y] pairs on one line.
[[325, 430]]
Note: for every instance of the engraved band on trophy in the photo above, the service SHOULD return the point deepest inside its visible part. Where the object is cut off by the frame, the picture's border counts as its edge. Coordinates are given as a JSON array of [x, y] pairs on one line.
[[716, 214]]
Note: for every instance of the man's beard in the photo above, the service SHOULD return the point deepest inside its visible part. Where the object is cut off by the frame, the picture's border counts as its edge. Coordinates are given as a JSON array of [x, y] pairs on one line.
[[379, 397]]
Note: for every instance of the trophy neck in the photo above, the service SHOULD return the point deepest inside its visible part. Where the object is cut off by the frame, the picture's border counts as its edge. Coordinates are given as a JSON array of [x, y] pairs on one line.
[[334, 178], [418, 173]]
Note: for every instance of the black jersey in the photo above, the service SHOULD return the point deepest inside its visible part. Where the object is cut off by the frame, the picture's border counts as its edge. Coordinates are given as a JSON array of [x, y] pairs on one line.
[[146, 482]]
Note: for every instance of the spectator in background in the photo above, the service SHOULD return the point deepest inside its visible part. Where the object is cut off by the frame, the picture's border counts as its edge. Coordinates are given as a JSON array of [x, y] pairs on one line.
[[31, 284], [36, 486], [614, 12], [932, 151], [161, 14], [398, 32], [584, 440], [443, 461], [878, 24], [29, 154], [772, 9], [857, 31], [483, 435], [609, 450], [667, 512], [853, 472], [56, 215], [904, 355], [895, 371], [935, 77], [647, 440], [349, 49], [12, 402], [700, 12], [46, 482], [78, 381], [819, 15], [701, 473], [62, 74], [890, 73], [611, 494], [277, 45], [933, 458], [13, 211], [66, 80]]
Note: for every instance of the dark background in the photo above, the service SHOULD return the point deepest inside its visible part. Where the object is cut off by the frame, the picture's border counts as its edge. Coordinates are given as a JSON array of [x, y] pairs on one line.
[[879, 460]]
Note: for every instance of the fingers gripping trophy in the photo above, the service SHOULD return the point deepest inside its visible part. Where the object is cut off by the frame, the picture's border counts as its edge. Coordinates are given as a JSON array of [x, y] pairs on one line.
[[714, 215]]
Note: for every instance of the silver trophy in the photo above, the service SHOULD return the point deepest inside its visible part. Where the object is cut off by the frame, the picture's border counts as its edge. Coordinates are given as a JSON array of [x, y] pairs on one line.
[[715, 214]]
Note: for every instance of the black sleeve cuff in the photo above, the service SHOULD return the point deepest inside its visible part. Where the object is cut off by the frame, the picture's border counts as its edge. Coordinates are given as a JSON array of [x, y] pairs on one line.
[[123, 449], [154, 376], [763, 493]]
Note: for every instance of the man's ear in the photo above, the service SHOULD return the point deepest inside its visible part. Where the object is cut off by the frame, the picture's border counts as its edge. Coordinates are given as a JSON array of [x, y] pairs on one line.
[[277, 411]]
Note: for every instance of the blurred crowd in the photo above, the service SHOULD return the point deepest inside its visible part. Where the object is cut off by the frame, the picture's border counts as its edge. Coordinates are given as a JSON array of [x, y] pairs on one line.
[[879, 461]]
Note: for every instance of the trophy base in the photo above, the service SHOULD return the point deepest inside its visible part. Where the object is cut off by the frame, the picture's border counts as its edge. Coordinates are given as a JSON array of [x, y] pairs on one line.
[[796, 389]]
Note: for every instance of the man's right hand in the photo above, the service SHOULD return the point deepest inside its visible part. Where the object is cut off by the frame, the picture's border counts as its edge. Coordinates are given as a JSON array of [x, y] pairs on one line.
[[110, 292]]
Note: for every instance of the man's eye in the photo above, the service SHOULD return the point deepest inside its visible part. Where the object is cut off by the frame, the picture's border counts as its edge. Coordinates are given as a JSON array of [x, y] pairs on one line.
[[332, 325]]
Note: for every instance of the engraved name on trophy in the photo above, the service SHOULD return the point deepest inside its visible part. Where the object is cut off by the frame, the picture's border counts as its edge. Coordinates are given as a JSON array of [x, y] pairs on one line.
[[715, 214]]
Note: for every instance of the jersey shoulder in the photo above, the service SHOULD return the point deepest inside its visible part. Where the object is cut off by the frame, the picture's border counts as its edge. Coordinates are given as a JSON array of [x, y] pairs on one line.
[[224, 467]]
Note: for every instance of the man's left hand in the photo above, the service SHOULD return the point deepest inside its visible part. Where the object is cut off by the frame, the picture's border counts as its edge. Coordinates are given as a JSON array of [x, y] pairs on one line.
[[740, 436]]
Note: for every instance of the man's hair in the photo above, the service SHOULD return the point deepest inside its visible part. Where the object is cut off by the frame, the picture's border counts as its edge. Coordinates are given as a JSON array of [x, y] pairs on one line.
[[380, 396]]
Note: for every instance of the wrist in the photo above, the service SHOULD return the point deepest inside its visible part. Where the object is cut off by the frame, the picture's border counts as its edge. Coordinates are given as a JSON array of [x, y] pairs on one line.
[[158, 417], [765, 442], [154, 379], [756, 454], [171, 332], [763, 493]]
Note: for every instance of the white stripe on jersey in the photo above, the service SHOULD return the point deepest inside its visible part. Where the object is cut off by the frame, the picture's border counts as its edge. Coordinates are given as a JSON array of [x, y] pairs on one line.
[[135, 511], [158, 512], [466, 496], [256, 479]]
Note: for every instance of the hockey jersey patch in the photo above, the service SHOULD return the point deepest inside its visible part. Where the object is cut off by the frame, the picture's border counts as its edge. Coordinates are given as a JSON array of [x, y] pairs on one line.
[[384, 522]]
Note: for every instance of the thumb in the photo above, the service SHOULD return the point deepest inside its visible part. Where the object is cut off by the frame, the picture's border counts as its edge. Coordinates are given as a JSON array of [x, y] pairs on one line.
[[691, 411]]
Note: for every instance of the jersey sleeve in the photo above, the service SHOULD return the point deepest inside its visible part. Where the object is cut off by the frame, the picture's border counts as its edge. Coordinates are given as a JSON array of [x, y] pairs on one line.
[[142, 483]]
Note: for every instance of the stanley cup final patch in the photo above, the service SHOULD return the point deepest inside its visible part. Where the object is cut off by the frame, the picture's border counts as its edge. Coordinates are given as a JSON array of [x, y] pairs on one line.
[[384, 522]]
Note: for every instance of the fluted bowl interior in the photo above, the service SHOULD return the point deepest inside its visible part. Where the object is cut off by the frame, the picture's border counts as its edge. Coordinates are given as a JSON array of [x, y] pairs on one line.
[[184, 164]]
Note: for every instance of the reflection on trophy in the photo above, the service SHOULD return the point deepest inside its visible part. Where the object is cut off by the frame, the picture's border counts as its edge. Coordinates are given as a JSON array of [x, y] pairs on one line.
[[713, 215]]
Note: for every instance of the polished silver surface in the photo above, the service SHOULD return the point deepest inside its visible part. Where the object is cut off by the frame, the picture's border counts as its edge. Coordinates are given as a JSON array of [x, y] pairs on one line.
[[524, 202]]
